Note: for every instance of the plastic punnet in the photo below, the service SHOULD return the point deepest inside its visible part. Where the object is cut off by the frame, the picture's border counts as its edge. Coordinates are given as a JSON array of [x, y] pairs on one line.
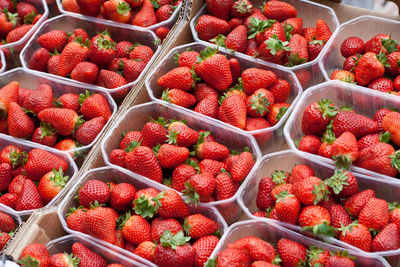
[[136, 117], [110, 174], [32, 79], [272, 233], [269, 139], [6, 140], [68, 23], [365, 102], [64, 244]]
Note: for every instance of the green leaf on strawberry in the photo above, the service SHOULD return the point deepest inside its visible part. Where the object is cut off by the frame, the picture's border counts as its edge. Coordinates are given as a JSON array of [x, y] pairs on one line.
[[170, 240]]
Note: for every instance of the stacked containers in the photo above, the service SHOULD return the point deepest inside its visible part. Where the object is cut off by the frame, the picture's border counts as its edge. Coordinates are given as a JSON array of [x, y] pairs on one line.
[[32, 79], [28, 146], [364, 101], [332, 59], [308, 73], [12, 50], [269, 139], [136, 117], [109, 174], [64, 244], [272, 233], [69, 23], [388, 189]]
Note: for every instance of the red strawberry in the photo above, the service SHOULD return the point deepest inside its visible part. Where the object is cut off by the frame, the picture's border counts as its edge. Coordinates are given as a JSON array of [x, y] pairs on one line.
[[256, 248], [369, 67], [145, 250], [16, 184], [356, 235], [254, 79], [355, 203], [233, 111], [88, 131], [36, 254], [252, 48], [41, 162], [78, 33], [317, 219], [264, 199], [179, 97], [63, 259], [111, 80], [287, 207], [292, 253], [219, 8], [200, 187], [160, 225], [279, 10], [174, 251], [350, 63], [343, 75], [7, 4], [141, 53], [19, 124], [382, 84], [87, 256], [101, 49], [154, 133], [181, 175], [53, 40], [339, 216], [39, 99], [172, 205], [310, 144], [39, 59], [95, 105], [310, 190], [322, 31], [9, 199], [86, 72], [89, 7], [392, 59], [292, 26], [117, 157], [359, 125], [135, 229], [281, 90], [276, 113], [298, 53], [18, 33], [233, 257], [351, 46], [7, 223], [345, 149], [314, 48], [99, 222], [9, 93], [63, 120], [375, 214], [258, 104], [51, 184], [237, 39], [187, 59], [146, 16], [69, 101], [309, 34], [209, 26], [390, 123], [130, 137], [381, 43], [343, 183], [116, 10], [29, 198], [123, 49], [387, 239], [203, 249], [317, 116], [242, 166], [73, 53], [92, 191], [164, 12], [197, 226], [71, 5], [170, 156], [241, 9], [339, 261], [300, 172], [372, 139], [179, 78], [212, 166], [253, 124], [75, 218], [208, 106], [211, 150]]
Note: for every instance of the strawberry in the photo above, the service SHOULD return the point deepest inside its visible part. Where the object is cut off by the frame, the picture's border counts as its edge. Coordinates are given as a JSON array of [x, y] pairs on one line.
[[199, 187], [135, 3], [51, 184], [164, 12], [170, 156], [75, 218], [19, 124], [123, 48], [69, 101], [382, 84], [9, 199], [309, 34], [292, 26], [39, 59], [375, 214], [110, 79], [203, 249], [379, 115], [29, 198], [53, 40], [310, 190], [36, 254], [252, 48], [317, 116], [241, 9], [254, 79], [264, 199], [343, 75], [130, 137], [233, 257], [4, 238], [117, 157], [181, 175], [322, 31], [179, 97], [258, 104], [351, 46], [287, 207], [146, 16], [94, 191], [88, 131], [209, 26], [298, 53], [343, 183], [172, 205], [187, 59], [122, 196], [379, 158], [292, 253], [197, 226], [160, 225], [392, 60], [8, 93], [135, 228], [390, 123], [71, 5], [351, 62], [211, 150], [358, 125], [102, 49], [387, 239], [9, 21], [7, 223], [225, 186], [100, 222], [339, 261], [372, 139], [237, 39], [18, 33], [233, 111], [179, 78], [73, 53], [339, 216], [310, 144], [81, 33], [357, 235], [141, 53], [39, 99], [253, 124], [145, 250], [300, 172], [279, 10], [314, 48], [280, 90], [116, 10], [356, 202], [256, 248], [345, 149], [86, 72], [63, 259], [317, 256], [44, 135], [154, 133], [219, 8], [214, 69], [317, 219], [7, 4], [89, 7], [242, 166], [61, 119], [87, 256], [16, 184], [95, 105], [208, 106], [212, 166], [174, 251], [381, 43], [369, 67]]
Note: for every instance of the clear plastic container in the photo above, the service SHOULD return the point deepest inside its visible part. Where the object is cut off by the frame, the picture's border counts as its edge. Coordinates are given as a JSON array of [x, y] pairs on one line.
[[388, 189], [136, 117], [72, 170], [309, 11], [166, 23], [365, 102], [269, 139], [332, 59], [32, 79], [14, 215], [272, 233], [64, 244], [12, 50], [110, 174], [119, 33], [3, 62]]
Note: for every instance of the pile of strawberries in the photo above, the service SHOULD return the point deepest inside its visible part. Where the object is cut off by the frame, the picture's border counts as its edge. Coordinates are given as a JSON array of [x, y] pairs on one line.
[[373, 64], [39, 116], [215, 86], [30, 180], [98, 60], [16, 20], [351, 138], [332, 207], [38, 255], [152, 224], [252, 251], [7, 228], [275, 34], [201, 168]]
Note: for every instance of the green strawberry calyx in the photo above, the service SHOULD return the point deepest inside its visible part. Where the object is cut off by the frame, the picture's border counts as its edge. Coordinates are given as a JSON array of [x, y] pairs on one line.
[[84, 97], [259, 103], [80, 41], [281, 112], [192, 196], [282, 196], [193, 164], [389, 44], [396, 160], [288, 28], [207, 53], [72, 260], [165, 96], [172, 136], [219, 40], [104, 43], [320, 192], [323, 229], [211, 263], [338, 180], [259, 26], [146, 207], [328, 110], [28, 260], [18, 159], [58, 178], [342, 254], [329, 136], [202, 137], [123, 7], [243, 7], [394, 206], [383, 59], [274, 45], [173, 241], [46, 130], [28, 19], [75, 209], [346, 228], [132, 146], [122, 220], [384, 137], [279, 177], [342, 161], [160, 120], [11, 17], [346, 107], [313, 252], [294, 59]]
